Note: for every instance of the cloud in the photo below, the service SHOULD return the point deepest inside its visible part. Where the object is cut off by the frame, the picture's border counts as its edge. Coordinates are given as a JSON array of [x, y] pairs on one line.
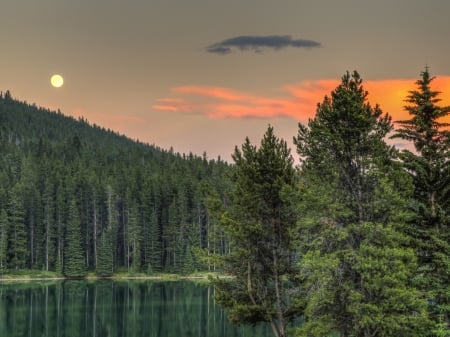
[[297, 101], [221, 103], [257, 43]]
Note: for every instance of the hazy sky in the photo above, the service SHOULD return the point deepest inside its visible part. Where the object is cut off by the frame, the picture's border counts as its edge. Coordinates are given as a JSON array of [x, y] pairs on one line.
[[201, 75]]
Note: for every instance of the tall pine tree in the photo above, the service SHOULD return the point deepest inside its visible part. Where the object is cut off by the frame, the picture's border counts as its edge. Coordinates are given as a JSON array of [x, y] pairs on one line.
[[260, 226], [355, 265], [3, 240], [429, 167], [105, 254], [74, 265], [17, 235]]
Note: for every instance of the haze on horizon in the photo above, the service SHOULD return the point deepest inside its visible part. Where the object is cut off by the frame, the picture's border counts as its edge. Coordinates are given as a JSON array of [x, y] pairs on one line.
[[201, 76]]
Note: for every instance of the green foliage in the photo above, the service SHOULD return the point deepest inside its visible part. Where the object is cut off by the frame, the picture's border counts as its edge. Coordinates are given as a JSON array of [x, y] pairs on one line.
[[355, 266], [17, 236], [429, 168], [344, 142], [3, 240], [260, 225], [429, 165], [362, 289], [73, 251], [105, 265], [150, 200]]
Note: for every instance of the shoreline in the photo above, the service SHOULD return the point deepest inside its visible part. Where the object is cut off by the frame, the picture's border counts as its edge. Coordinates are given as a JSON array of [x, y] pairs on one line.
[[163, 277]]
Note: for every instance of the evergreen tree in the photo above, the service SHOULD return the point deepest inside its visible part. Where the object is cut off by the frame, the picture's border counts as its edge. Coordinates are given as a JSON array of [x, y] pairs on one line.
[[74, 265], [355, 264], [3, 240], [17, 235], [105, 254], [60, 218], [134, 239], [188, 266], [154, 244], [429, 167], [112, 222], [48, 219], [260, 226], [216, 245]]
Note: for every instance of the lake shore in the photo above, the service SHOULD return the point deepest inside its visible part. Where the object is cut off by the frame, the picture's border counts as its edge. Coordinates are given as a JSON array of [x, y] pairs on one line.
[[47, 276]]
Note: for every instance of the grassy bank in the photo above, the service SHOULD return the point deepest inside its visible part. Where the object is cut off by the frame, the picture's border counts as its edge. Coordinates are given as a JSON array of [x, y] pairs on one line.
[[30, 275]]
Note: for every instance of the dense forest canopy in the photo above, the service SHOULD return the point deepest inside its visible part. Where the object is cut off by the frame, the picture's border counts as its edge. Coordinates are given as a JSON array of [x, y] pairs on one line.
[[75, 197]]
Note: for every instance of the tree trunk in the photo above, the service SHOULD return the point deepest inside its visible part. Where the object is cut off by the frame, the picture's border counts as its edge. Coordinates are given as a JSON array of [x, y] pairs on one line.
[[95, 234]]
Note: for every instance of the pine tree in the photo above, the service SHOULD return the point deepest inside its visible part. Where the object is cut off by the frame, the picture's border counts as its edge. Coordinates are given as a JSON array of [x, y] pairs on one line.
[[188, 262], [429, 167], [355, 264], [112, 222], [74, 265], [48, 219], [17, 235], [134, 235], [60, 216], [105, 254], [260, 226], [154, 244], [3, 240]]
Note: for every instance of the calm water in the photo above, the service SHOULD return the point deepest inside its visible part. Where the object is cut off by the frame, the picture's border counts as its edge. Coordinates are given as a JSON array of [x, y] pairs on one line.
[[114, 308]]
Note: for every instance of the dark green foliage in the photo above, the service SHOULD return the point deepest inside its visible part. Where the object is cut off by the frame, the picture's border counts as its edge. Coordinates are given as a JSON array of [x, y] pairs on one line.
[[149, 200], [260, 226], [355, 266], [429, 167], [363, 288], [105, 254], [74, 265], [344, 142], [17, 233], [4, 225]]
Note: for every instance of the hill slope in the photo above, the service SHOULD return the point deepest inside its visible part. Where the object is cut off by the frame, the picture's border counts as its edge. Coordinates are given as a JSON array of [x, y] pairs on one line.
[[76, 197]]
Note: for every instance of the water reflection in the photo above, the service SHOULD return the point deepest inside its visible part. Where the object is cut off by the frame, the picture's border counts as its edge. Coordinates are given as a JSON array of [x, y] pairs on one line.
[[115, 308]]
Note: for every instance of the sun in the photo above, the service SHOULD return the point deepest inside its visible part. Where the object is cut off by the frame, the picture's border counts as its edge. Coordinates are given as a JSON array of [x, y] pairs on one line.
[[57, 81]]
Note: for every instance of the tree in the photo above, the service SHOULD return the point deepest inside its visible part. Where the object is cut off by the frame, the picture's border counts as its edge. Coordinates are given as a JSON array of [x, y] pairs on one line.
[[3, 240], [133, 235], [260, 227], [17, 236], [73, 250], [105, 254], [429, 168], [344, 142], [153, 243], [48, 217], [355, 263]]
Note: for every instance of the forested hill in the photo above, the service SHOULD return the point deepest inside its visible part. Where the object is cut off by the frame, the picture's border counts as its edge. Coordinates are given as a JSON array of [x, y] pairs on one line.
[[75, 197]]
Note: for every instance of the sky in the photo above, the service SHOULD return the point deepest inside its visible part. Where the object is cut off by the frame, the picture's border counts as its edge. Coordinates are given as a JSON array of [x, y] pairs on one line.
[[201, 75]]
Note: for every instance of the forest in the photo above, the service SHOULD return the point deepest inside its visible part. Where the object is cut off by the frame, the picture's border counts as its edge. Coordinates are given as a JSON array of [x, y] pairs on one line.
[[354, 241], [75, 197]]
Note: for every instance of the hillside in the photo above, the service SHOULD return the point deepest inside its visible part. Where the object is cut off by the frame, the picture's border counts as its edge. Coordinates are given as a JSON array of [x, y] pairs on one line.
[[76, 197]]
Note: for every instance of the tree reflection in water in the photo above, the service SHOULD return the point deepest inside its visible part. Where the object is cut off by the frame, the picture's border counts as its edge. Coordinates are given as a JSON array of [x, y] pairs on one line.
[[115, 308]]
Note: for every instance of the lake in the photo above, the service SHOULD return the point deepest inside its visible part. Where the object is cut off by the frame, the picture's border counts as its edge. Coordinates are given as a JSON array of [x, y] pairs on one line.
[[108, 308]]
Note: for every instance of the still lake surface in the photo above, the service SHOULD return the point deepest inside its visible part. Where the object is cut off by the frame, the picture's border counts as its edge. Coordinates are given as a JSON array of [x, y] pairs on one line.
[[108, 308]]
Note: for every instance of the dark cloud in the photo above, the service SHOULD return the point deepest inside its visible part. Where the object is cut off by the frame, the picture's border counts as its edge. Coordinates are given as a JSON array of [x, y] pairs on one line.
[[257, 43]]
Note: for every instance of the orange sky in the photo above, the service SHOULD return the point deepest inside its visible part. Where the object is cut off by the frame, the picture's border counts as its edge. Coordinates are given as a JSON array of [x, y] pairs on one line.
[[297, 101]]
